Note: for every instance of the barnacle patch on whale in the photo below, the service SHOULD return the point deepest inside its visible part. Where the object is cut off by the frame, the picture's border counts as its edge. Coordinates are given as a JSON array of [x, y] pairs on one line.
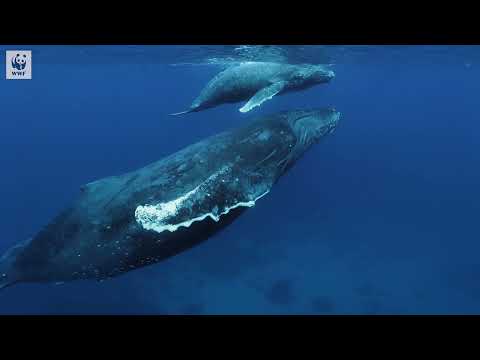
[[165, 216]]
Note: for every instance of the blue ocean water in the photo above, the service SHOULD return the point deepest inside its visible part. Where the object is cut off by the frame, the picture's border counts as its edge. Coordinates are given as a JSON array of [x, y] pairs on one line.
[[379, 218]]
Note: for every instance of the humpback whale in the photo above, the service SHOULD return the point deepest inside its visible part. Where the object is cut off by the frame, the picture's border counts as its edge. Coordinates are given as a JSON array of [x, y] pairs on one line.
[[121, 223], [257, 82]]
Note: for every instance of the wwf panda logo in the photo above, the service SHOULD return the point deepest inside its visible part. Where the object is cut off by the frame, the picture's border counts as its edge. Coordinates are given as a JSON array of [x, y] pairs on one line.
[[19, 61]]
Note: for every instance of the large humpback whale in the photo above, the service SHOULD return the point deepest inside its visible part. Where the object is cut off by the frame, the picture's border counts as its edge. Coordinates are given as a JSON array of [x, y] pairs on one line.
[[257, 82], [124, 222]]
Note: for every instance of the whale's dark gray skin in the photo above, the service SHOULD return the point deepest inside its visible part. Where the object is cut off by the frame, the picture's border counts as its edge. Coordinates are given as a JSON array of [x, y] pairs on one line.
[[258, 82], [124, 222]]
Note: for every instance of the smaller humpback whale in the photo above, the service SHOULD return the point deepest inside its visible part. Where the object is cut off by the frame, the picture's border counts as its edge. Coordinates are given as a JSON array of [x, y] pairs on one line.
[[257, 82], [121, 223]]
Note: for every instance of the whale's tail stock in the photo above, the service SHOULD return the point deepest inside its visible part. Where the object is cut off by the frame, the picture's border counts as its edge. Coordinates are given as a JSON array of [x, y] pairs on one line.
[[9, 275], [6, 277], [181, 112]]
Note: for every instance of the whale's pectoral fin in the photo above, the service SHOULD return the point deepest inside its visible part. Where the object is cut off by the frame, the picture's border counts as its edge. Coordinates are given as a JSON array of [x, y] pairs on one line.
[[263, 95]]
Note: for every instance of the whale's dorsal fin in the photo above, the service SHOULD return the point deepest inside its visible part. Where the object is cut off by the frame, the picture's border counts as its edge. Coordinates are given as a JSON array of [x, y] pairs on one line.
[[263, 95]]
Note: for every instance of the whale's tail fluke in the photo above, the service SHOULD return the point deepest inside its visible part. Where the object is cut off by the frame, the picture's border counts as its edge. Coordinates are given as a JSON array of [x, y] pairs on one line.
[[181, 112]]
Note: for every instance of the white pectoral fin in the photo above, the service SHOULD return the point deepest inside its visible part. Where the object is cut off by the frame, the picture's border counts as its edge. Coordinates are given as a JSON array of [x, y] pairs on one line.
[[263, 95]]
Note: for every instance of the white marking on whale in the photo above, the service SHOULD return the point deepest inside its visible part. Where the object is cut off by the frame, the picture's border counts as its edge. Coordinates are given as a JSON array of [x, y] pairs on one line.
[[154, 217], [150, 216]]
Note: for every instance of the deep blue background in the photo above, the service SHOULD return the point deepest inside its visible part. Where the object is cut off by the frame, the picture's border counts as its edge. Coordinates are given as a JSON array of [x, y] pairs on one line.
[[381, 217]]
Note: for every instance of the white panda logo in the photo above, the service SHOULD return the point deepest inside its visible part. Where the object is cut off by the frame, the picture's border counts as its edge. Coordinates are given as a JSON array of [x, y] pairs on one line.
[[19, 62]]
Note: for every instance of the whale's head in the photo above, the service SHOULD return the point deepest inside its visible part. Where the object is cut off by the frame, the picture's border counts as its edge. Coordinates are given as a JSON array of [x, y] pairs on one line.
[[321, 74], [309, 75], [308, 127]]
